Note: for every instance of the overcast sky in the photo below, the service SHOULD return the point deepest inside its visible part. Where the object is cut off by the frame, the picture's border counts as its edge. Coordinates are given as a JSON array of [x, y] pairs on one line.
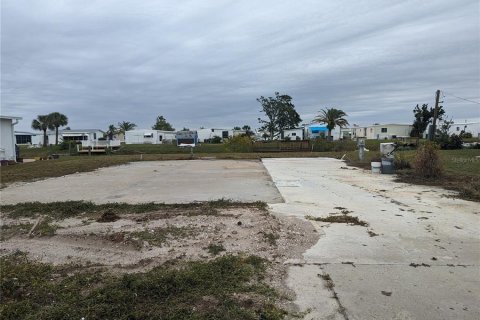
[[204, 63]]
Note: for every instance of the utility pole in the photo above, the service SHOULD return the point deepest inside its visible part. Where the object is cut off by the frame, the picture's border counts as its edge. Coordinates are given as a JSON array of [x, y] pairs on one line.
[[435, 116]]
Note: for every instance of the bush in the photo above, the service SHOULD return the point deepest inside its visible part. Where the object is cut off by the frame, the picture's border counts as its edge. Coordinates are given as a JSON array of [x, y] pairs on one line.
[[466, 135], [401, 162], [321, 145], [68, 145], [427, 163], [241, 143], [216, 139], [452, 142]]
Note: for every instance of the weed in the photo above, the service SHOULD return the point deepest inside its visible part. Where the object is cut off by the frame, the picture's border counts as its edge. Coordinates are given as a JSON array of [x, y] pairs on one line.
[[9, 231], [195, 290], [215, 249], [328, 281], [401, 161], [108, 216], [271, 238], [427, 162], [371, 233], [415, 265], [159, 236], [44, 228], [340, 219]]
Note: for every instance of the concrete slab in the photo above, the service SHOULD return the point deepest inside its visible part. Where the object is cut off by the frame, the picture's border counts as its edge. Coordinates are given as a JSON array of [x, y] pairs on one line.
[[400, 292], [155, 181], [407, 225]]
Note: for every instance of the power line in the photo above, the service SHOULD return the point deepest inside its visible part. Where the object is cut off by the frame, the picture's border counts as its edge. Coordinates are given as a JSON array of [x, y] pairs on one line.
[[450, 94]]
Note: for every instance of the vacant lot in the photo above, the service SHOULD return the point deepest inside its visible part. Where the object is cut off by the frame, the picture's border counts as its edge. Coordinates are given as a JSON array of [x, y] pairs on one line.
[[197, 261]]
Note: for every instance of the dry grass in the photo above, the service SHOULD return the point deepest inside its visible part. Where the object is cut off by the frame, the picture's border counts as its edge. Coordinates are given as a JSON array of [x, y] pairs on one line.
[[38, 170], [344, 218]]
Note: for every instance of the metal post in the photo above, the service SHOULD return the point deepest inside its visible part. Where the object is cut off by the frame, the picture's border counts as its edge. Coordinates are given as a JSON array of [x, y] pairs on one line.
[[361, 149]]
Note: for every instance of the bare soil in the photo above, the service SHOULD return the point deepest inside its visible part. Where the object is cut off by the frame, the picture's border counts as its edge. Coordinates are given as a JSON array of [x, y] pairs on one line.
[[139, 242]]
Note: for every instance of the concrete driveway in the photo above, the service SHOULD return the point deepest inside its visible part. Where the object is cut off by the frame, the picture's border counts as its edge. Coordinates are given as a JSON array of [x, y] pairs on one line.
[[418, 258]]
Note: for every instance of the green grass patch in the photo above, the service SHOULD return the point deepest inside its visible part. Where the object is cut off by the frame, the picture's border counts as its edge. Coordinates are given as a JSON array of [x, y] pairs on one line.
[[195, 290], [67, 209], [215, 249]]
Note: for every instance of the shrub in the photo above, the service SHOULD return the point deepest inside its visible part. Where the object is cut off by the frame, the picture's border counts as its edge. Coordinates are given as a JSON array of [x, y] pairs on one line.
[[216, 139], [427, 163], [321, 145], [401, 162], [466, 135], [452, 142], [68, 145], [241, 143]]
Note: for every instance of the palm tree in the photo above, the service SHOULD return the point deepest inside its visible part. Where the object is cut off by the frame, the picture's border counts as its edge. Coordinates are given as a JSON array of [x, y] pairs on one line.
[[126, 126], [42, 123], [332, 117], [56, 119], [111, 131]]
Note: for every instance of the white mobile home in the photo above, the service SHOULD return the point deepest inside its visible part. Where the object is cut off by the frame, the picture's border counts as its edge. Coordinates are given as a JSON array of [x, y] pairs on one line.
[[146, 136], [90, 135], [388, 131], [28, 138], [359, 133], [7, 138], [294, 133], [206, 135], [472, 126]]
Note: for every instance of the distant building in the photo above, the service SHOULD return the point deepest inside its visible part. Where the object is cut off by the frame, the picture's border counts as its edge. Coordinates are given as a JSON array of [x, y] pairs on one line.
[[294, 133], [207, 134], [469, 126], [316, 130], [7, 138], [149, 136], [28, 138], [91, 135], [388, 131]]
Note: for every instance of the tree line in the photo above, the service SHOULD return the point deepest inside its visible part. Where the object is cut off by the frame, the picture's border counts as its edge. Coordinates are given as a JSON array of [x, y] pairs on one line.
[[280, 115]]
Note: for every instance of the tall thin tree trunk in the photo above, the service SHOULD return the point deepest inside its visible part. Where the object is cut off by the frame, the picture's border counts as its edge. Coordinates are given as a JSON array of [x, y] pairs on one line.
[[56, 136], [45, 139], [329, 135]]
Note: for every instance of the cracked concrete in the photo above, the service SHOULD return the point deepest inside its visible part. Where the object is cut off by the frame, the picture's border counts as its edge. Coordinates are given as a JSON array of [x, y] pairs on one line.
[[420, 259]]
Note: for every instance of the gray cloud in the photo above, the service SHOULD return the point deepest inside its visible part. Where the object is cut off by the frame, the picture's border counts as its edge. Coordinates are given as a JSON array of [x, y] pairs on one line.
[[205, 63]]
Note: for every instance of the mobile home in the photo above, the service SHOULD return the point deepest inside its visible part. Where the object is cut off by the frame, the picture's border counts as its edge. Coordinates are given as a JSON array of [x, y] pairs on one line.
[[7, 138], [146, 136], [388, 131]]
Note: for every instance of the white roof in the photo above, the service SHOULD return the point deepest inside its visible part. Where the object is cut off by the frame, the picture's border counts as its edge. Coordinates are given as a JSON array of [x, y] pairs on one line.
[[10, 117]]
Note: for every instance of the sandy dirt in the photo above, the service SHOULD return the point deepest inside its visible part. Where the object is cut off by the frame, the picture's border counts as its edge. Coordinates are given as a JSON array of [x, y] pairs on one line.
[[121, 246]]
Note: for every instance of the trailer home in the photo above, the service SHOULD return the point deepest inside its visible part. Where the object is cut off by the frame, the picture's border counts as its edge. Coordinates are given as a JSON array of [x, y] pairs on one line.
[[146, 136], [7, 138]]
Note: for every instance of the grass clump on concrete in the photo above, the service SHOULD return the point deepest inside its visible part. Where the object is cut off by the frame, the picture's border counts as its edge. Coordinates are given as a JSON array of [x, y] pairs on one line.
[[344, 218], [195, 290]]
